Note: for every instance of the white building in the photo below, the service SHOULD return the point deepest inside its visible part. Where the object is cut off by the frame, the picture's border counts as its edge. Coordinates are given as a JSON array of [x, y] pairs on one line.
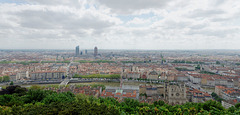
[[51, 75], [195, 79]]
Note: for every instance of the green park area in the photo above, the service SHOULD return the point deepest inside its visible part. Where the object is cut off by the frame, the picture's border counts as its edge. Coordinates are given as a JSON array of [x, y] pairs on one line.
[[18, 62], [95, 61], [66, 61], [188, 62], [108, 76], [30, 62]]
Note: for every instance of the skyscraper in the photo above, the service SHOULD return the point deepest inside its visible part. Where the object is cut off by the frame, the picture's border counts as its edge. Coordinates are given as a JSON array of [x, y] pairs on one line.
[[95, 52], [77, 51], [86, 52]]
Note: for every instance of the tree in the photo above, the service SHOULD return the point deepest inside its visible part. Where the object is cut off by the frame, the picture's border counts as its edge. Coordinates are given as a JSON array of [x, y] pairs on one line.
[[216, 97], [217, 62], [6, 79], [20, 91], [14, 89], [160, 103], [197, 67], [36, 95], [208, 105], [59, 98], [11, 83], [237, 105], [39, 101]]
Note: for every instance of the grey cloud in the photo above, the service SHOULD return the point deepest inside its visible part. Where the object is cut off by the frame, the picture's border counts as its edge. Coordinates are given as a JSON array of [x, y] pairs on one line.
[[74, 3], [217, 33], [220, 19], [41, 24], [219, 2], [170, 24], [4, 25], [198, 26], [64, 23], [204, 13], [129, 6], [60, 20], [230, 18]]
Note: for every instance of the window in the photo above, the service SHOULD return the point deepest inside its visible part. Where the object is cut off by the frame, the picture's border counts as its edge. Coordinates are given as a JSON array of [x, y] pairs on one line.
[[177, 94]]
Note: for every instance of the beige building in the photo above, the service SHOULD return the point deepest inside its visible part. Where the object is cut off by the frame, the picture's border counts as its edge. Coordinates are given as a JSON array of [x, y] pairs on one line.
[[175, 94], [151, 90], [163, 76], [171, 77], [204, 81], [153, 75], [218, 90], [51, 75], [22, 75], [197, 96], [142, 89], [133, 75]]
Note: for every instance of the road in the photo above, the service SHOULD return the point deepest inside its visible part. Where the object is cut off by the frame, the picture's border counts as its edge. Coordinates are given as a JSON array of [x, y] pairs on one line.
[[67, 73], [67, 79]]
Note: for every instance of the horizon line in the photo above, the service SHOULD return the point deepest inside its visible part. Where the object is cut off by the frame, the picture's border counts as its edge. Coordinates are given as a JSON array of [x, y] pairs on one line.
[[121, 49]]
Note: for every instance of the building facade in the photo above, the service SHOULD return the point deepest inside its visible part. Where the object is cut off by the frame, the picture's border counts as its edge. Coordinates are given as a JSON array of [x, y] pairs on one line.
[[41, 76], [95, 52], [153, 75], [77, 51], [175, 94]]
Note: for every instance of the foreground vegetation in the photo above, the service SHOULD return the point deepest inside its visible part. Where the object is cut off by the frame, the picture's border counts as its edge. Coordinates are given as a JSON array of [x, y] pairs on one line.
[[108, 76], [20, 101]]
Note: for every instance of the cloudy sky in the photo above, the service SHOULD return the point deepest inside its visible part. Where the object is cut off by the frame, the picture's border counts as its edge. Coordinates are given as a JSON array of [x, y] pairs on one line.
[[120, 24]]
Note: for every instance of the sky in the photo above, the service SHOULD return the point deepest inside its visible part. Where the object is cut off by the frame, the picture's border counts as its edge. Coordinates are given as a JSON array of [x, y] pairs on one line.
[[120, 24]]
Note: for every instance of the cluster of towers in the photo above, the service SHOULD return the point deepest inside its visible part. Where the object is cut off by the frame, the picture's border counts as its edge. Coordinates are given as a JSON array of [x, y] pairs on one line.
[[78, 52]]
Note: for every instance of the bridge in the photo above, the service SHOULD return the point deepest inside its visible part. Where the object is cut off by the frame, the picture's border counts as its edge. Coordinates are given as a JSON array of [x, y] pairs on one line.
[[67, 79], [64, 82]]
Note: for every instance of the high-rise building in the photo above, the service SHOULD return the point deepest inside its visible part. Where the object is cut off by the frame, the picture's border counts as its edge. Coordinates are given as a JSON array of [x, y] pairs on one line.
[[85, 51], [77, 51], [95, 52]]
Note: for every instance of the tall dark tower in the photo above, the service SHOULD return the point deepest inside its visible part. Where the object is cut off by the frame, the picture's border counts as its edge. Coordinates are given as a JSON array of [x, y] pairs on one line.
[[77, 51], [95, 52], [86, 52]]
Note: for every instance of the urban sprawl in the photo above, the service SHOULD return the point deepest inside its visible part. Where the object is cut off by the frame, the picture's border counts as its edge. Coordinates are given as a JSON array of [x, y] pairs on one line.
[[173, 76]]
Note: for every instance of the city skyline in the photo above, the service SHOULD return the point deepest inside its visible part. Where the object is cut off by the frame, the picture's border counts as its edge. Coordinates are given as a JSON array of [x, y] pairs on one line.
[[137, 25]]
